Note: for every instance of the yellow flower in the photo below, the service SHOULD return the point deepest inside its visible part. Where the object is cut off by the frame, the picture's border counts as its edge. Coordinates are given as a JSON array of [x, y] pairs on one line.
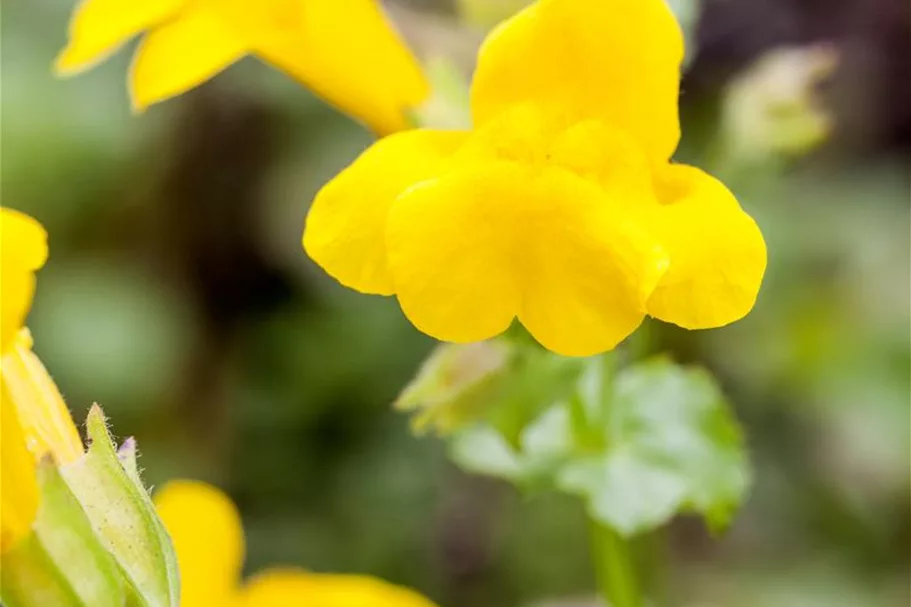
[[34, 421], [205, 528], [345, 51], [561, 207]]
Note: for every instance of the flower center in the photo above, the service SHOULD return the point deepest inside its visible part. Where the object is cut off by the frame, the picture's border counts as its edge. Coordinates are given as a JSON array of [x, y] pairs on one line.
[[541, 139]]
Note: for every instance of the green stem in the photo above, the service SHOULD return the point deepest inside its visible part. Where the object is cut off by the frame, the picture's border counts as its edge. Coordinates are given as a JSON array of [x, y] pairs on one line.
[[615, 568]]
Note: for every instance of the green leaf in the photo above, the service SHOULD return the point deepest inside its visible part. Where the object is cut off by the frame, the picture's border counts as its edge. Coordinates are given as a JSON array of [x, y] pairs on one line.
[[483, 450], [535, 380], [654, 440], [672, 444], [123, 516]]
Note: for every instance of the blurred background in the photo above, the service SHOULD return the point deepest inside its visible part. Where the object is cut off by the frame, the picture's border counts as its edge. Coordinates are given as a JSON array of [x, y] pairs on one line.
[[178, 296]]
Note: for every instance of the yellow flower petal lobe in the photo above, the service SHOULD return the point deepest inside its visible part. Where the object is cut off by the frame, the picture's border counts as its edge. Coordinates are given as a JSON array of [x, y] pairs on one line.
[[349, 54], [612, 60], [282, 587], [588, 266], [451, 245], [183, 54], [205, 528], [99, 27], [472, 250], [23, 250], [718, 255], [346, 226]]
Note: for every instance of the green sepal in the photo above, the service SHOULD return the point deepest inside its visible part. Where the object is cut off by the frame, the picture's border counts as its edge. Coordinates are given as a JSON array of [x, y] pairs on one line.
[[454, 385], [61, 563], [503, 382], [123, 516]]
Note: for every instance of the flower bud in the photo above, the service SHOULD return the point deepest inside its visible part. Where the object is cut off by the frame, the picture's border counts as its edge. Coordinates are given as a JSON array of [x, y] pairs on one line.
[[95, 540], [454, 385]]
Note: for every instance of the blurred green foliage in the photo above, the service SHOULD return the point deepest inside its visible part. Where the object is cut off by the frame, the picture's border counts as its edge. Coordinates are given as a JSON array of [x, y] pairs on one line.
[[177, 294], [638, 445]]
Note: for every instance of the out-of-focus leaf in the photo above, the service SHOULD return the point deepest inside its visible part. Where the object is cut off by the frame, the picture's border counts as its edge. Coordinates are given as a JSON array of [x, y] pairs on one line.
[[672, 443], [655, 440], [482, 450], [536, 380]]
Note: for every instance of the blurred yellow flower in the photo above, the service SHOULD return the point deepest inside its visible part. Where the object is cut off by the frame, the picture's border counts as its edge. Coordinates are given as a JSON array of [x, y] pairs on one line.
[[34, 421], [205, 528], [23, 250], [561, 207], [347, 52]]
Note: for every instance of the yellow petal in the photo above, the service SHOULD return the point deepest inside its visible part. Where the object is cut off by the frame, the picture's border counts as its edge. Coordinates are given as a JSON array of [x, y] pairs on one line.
[[450, 244], [182, 54], [471, 250], [611, 60], [23, 250], [281, 588], [718, 255], [350, 55], [18, 484], [206, 530], [99, 27], [346, 226], [591, 268], [44, 417]]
